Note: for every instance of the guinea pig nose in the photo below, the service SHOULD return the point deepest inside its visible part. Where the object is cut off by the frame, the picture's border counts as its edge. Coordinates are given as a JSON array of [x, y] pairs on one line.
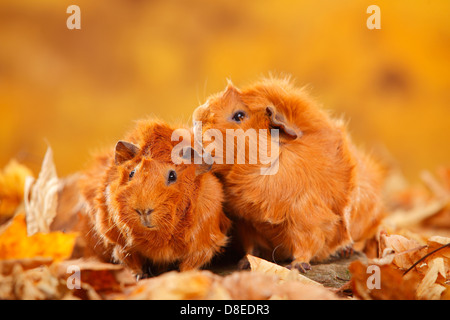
[[144, 212]]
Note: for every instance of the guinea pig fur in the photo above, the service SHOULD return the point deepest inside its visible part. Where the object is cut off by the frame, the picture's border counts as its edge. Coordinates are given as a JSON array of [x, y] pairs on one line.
[[326, 193], [144, 209]]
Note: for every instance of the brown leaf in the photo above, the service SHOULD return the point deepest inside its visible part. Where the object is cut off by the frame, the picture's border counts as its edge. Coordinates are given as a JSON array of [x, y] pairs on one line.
[[32, 284], [406, 251], [393, 286], [428, 288], [101, 277], [435, 243]]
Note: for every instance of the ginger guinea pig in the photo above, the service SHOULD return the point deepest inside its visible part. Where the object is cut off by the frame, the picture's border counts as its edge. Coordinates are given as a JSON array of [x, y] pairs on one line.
[[325, 194], [146, 210]]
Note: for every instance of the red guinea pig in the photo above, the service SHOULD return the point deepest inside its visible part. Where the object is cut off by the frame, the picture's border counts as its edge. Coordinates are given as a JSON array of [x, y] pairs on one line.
[[146, 210], [325, 194]]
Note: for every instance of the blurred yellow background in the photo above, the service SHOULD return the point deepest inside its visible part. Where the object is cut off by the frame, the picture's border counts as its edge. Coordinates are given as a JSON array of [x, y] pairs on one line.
[[78, 90]]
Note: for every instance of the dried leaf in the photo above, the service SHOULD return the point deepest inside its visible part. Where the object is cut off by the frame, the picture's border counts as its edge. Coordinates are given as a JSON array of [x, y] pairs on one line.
[[7, 266], [12, 182], [428, 288], [407, 218], [437, 242], [32, 284], [392, 285], [16, 244], [387, 258], [180, 286], [41, 197], [440, 219], [406, 251], [266, 267], [303, 291], [435, 186], [102, 277], [249, 285], [240, 285]]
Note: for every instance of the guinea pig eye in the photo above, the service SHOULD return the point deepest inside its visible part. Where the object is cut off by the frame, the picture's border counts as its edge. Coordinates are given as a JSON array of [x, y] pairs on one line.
[[131, 175], [238, 116], [172, 177]]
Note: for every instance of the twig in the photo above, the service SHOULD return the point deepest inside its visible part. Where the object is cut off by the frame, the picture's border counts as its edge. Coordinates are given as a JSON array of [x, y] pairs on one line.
[[425, 256]]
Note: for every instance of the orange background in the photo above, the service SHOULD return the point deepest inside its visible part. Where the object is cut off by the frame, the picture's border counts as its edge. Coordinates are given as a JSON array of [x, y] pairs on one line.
[[78, 90]]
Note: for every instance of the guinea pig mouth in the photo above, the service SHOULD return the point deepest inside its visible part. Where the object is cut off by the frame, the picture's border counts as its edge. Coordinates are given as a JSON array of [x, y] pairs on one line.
[[149, 226], [146, 222]]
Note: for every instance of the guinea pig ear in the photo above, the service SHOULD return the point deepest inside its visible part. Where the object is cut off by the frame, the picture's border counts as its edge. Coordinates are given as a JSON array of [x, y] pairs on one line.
[[231, 92], [125, 151], [278, 121], [206, 160], [206, 164]]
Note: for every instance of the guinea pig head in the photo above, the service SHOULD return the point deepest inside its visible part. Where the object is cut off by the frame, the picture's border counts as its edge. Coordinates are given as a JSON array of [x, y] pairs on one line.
[[267, 105], [151, 197]]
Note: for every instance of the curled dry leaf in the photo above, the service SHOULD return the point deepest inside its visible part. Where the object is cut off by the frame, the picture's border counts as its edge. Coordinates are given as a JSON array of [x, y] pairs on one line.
[[406, 251], [16, 244], [41, 197], [428, 288], [435, 243], [266, 267]]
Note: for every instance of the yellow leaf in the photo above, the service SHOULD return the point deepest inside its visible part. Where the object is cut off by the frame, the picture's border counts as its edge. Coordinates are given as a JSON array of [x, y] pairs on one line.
[[12, 182], [16, 244]]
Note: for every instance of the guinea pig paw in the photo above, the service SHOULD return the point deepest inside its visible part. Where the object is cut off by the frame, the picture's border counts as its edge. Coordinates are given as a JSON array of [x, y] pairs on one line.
[[346, 252], [300, 266]]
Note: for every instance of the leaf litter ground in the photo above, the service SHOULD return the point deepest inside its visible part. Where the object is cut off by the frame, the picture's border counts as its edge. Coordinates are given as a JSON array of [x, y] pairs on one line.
[[411, 251]]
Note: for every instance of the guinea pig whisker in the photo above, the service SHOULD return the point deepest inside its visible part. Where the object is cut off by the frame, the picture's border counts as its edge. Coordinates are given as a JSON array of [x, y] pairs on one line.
[[110, 228]]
